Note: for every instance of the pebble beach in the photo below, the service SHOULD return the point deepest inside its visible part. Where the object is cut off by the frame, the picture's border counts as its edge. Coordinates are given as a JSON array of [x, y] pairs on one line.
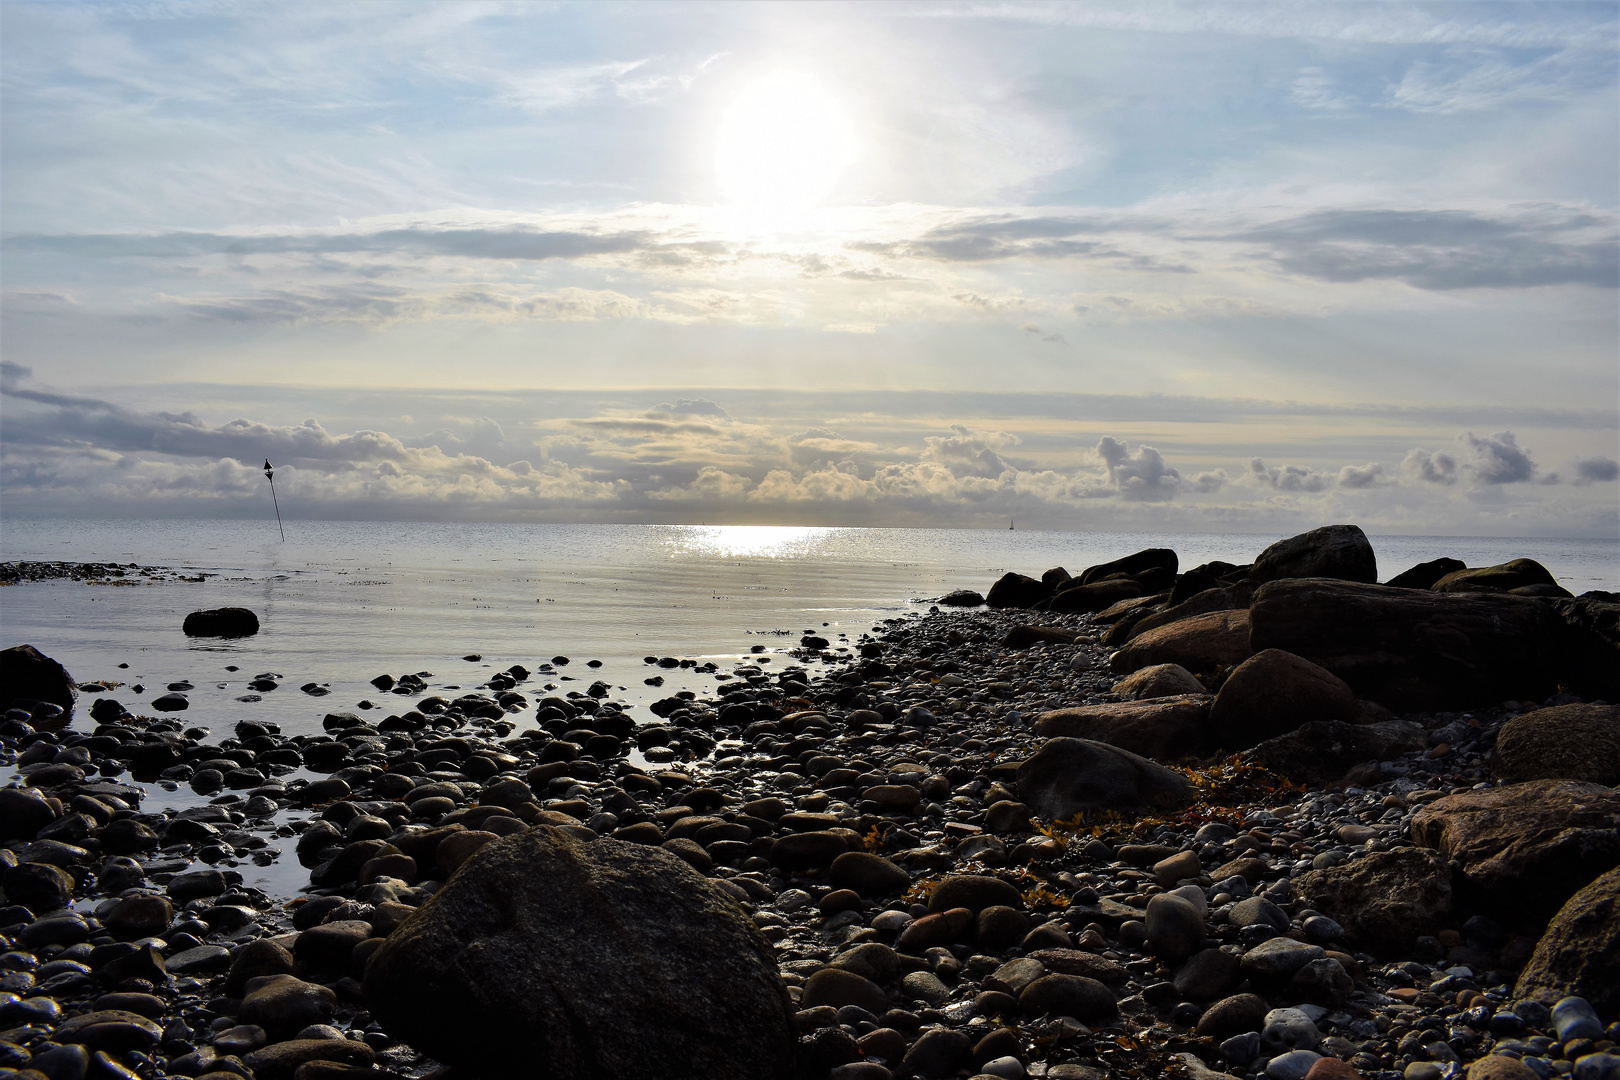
[[1265, 820]]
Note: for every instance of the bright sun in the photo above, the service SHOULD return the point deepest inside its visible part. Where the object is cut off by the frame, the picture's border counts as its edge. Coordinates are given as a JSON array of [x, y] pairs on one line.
[[782, 145]]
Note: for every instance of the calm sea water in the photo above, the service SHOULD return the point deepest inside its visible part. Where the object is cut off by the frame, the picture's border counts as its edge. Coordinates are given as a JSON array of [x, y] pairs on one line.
[[342, 602]]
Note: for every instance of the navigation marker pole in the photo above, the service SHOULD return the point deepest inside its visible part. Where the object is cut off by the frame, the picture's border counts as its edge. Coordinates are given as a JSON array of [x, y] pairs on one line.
[[270, 475]]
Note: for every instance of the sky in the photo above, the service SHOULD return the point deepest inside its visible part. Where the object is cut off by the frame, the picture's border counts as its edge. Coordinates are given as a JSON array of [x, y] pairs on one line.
[[1238, 267]]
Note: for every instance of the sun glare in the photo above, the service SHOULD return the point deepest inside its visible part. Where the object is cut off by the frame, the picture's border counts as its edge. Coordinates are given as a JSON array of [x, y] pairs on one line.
[[783, 144]]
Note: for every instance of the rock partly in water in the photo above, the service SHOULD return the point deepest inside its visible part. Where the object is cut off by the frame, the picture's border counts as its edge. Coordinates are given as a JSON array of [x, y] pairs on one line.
[[1017, 591], [28, 675], [577, 959], [221, 622]]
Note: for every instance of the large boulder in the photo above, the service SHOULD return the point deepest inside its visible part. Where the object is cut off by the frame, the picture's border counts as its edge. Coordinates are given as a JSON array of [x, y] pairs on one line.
[[1068, 776], [1017, 591], [1503, 577], [1224, 598], [1579, 955], [1096, 596], [550, 957], [1525, 848], [1415, 650], [221, 622], [1425, 574], [1568, 742], [1325, 750], [1160, 680], [28, 675], [1272, 693], [1384, 901], [1133, 565], [1214, 639], [1164, 728], [1333, 551]]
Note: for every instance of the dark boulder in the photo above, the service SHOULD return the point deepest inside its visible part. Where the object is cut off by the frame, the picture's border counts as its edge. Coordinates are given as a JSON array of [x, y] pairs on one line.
[[1568, 742], [221, 622], [28, 675], [1017, 591], [962, 598], [1140, 562], [1579, 955], [1333, 551], [1023, 636], [1415, 650], [576, 959], [1272, 693], [1503, 577], [1325, 750], [1425, 574], [23, 812], [1165, 728], [1215, 639], [1069, 776], [1384, 901], [1096, 596], [1225, 598], [1524, 848]]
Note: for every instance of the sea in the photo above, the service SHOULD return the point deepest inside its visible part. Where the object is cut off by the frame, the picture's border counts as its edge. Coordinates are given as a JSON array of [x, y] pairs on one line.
[[341, 602]]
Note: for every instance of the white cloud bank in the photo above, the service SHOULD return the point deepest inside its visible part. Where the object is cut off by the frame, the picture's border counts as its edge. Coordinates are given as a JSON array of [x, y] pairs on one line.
[[694, 459]]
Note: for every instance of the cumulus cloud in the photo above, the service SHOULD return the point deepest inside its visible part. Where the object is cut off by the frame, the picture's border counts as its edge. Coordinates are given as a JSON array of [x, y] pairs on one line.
[[1287, 477], [1369, 475], [691, 407], [1142, 475], [1211, 481], [1498, 458], [1437, 467], [1596, 470]]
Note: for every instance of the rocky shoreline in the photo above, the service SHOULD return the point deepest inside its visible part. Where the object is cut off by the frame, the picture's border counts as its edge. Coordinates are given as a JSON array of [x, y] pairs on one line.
[[1273, 820]]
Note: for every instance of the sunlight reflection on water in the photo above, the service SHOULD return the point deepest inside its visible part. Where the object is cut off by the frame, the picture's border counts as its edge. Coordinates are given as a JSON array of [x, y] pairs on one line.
[[751, 541]]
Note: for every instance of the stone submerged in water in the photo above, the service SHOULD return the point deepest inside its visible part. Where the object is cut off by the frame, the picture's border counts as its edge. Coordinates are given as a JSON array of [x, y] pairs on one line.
[[550, 957]]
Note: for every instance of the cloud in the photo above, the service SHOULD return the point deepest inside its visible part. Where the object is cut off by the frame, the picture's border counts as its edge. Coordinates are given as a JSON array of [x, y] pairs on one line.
[[1431, 468], [1498, 459], [1288, 477], [1357, 477], [1036, 331], [1596, 470], [1444, 249], [1210, 482], [509, 241], [691, 407], [1139, 476]]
